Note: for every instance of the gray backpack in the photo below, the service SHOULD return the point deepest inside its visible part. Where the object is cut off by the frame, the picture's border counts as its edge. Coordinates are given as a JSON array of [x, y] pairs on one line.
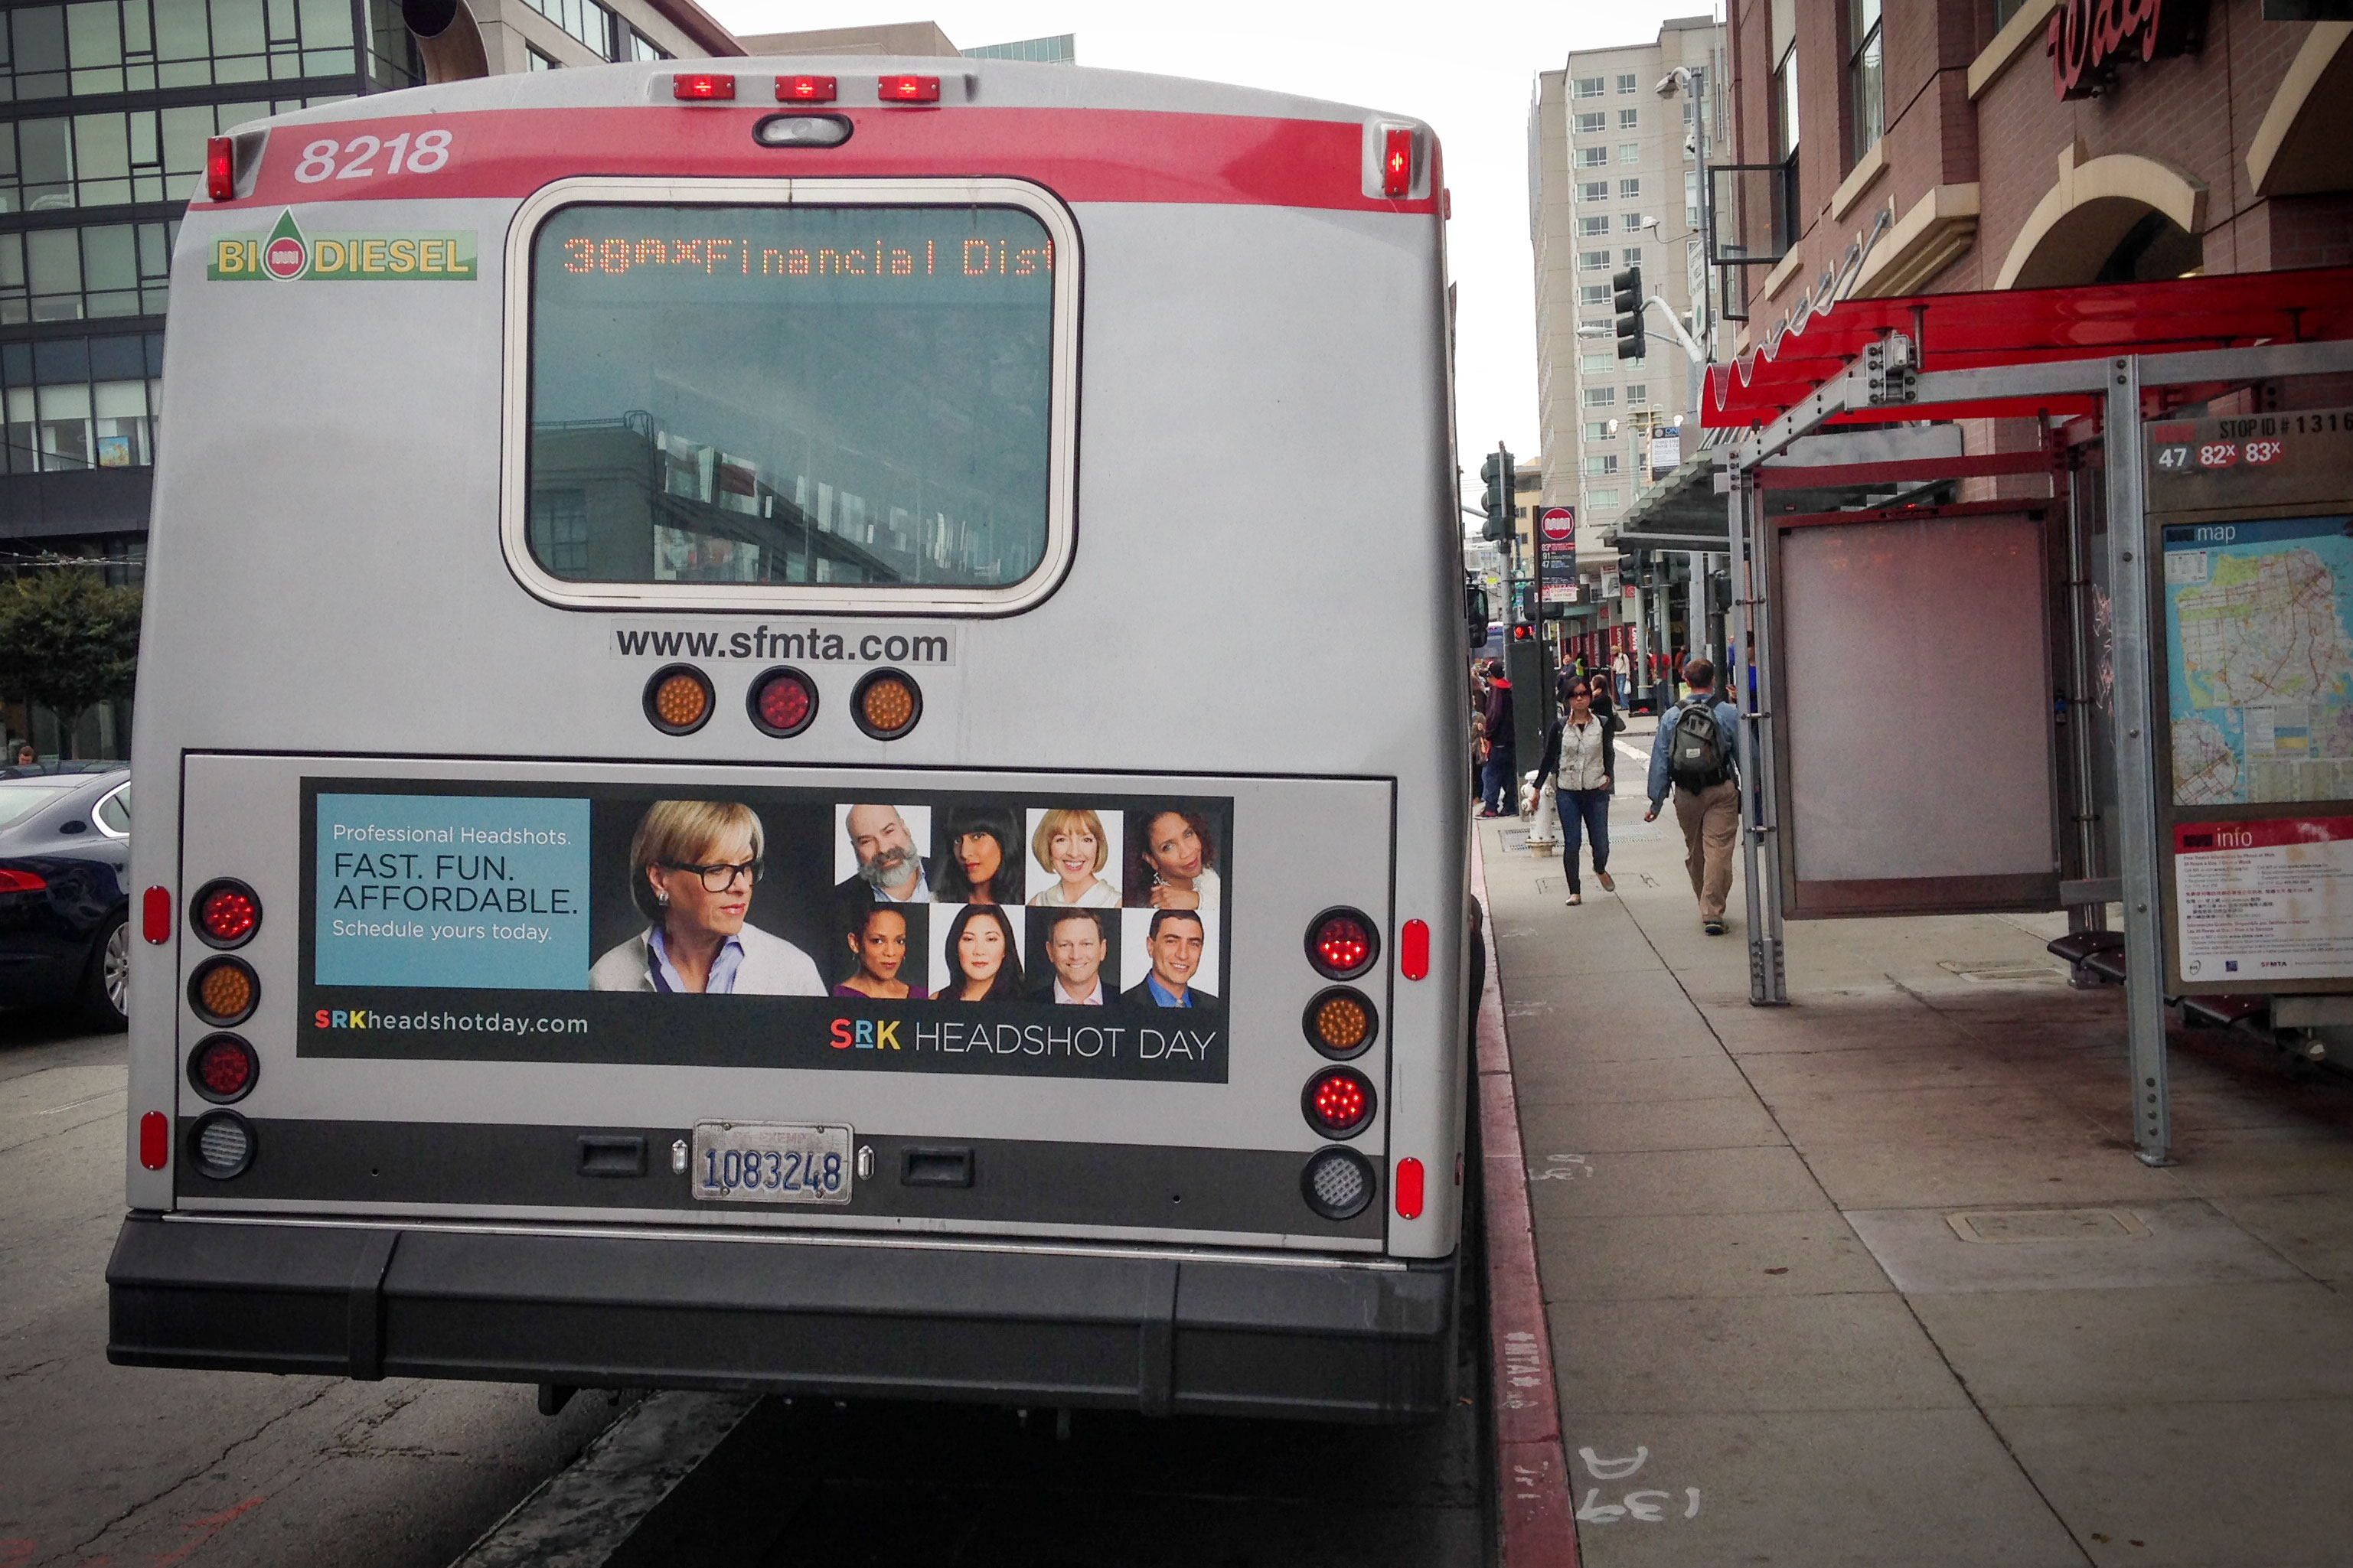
[[1699, 753]]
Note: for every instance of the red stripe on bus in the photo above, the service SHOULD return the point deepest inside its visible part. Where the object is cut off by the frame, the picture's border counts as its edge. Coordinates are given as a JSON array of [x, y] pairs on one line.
[[1082, 156]]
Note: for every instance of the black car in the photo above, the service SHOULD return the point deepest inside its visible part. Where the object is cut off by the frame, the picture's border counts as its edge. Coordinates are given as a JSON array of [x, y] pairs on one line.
[[65, 894]]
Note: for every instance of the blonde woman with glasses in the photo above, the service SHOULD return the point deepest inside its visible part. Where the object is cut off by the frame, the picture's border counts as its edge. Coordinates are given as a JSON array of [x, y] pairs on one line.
[[693, 866]]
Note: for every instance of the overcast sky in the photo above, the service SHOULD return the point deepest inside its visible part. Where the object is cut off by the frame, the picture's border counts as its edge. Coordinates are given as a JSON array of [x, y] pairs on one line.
[[1467, 69]]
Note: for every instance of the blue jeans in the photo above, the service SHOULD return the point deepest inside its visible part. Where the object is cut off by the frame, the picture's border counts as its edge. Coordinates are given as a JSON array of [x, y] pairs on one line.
[[1584, 812], [1499, 787]]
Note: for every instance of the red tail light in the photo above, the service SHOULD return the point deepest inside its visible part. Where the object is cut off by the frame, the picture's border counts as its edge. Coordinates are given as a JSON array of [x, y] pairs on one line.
[[702, 87], [155, 1141], [156, 914], [15, 882], [805, 89], [1338, 1102], [909, 89], [223, 1068], [228, 913], [782, 703], [1408, 1189], [1397, 162], [1342, 944], [220, 168], [1413, 950]]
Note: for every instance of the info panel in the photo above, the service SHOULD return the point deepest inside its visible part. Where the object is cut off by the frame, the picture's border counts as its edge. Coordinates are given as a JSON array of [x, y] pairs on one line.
[[2253, 515]]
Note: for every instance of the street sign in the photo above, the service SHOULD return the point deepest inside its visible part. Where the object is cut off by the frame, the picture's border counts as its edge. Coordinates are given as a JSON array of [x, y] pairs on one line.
[[1559, 524]]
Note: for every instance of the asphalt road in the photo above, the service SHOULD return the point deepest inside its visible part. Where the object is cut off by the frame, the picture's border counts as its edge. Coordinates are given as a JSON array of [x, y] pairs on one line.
[[121, 1466], [116, 1466]]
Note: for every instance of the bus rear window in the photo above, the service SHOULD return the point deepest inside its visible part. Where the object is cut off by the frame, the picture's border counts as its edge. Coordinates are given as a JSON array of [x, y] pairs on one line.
[[790, 394]]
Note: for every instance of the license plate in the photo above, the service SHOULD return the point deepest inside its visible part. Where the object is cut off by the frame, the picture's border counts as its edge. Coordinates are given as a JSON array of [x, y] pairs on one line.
[[771, 1162]]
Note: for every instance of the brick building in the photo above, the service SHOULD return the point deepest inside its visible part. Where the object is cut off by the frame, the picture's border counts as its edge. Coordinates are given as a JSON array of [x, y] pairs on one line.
[[1942, 145]]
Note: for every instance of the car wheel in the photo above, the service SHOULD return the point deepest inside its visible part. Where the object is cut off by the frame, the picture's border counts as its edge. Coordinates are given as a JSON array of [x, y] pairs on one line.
[[106, 989]]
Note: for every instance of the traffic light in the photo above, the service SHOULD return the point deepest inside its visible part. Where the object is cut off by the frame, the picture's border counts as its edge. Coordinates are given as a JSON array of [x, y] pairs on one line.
[[1626, 299], [1500, 482]]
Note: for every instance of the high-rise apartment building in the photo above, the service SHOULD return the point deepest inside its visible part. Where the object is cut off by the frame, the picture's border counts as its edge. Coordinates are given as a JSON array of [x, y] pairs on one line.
[[1613, 183]]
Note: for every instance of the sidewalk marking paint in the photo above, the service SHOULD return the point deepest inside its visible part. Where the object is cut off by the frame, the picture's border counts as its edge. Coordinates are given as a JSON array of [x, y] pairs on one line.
[[1535, 1525], [1568, 1168], [1602, 1470]]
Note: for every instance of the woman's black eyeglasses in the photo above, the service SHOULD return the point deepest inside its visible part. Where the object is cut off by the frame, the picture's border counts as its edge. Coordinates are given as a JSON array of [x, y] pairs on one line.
[[718, 878]]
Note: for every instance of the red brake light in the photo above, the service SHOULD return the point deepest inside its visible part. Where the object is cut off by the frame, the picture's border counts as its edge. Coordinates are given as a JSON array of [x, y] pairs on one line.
[[702, 87], [909, 89], [155, 1141], [782, 703], [228, 914], [1408, 1189], [15, 882], [1338, 1101], [223, 1069], [805, 89], [1397, 162], [1342, 944], [220, 168], [1413, 950], [156, 914]]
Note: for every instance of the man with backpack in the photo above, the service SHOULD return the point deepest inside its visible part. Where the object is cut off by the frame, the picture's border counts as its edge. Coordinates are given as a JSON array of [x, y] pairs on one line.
[[1698, 748]]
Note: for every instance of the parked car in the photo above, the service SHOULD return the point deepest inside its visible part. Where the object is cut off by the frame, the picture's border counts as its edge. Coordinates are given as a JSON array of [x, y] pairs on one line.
[[65, 896]]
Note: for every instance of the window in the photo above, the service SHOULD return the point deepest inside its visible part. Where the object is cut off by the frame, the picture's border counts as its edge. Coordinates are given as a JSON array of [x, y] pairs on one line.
[[1603, 464], [1630, 190], [1602, 498], [70, 274], [1592, 157], [1593, 294], [1601, 430], [1600, 363], [1629, 82], [1785, 105], [1593, 124], [106, 160], [139, 46], [644, 48], [1593, 261], [77, 404], [1638, 395], [1600, 397], [1630, 223], [739, 424], [588, 22], [540, 62], [1629, 118], [1593, 191], [1866, 90], [1631, 257], [1589, 85], [1629, 152], [1691, 199], [1597, 224]]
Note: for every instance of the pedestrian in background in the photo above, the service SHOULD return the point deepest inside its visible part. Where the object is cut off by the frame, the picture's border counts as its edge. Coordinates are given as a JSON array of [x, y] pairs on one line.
[[1581, 758], [1499, 785], [1696, 752], [1621, 676]]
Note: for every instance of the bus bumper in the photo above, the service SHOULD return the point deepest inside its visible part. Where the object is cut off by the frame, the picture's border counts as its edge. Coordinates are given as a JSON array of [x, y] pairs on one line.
[[1197, 1335]]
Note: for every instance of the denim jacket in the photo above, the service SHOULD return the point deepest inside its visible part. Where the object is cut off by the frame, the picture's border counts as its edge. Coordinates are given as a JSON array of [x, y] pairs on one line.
[[1726, 715]]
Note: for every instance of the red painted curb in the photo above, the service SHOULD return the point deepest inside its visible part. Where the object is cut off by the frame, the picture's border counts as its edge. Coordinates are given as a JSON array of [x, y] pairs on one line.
[[1533, 1516]]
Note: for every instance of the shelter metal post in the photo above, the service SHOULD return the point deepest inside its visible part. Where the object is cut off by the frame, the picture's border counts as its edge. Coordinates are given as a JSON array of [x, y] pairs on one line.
[[2137, 774], [1760, 857]]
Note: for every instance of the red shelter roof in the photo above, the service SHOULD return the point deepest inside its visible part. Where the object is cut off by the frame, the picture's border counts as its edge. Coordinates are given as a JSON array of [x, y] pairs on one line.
[[2032, 326]]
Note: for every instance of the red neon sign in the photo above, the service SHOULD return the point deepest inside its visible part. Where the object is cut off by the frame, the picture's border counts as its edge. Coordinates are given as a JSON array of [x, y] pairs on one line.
[[2088, 38]]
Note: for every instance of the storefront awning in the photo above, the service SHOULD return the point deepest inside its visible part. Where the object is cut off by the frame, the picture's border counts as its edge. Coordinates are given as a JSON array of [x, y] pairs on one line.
[[2027, 326]]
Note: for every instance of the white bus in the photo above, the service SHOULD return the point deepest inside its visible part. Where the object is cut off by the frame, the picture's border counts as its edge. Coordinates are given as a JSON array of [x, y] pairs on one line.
[[804, 728]]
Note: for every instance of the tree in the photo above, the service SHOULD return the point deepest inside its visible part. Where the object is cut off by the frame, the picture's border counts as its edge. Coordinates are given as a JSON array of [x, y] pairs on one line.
[[68, 642]]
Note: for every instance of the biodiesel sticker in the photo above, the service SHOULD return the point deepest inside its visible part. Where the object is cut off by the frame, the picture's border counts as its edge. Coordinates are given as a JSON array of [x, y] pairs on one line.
[[286, 254]]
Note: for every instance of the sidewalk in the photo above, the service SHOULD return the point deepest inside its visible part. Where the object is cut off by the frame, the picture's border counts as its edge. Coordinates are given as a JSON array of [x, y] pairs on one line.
[[1875, 1279]]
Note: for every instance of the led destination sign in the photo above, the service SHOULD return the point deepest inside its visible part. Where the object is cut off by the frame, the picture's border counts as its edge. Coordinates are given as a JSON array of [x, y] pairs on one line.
[[926, 254], [714, 255]]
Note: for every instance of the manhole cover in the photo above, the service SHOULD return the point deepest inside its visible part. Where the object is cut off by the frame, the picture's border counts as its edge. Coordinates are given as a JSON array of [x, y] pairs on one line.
[[2045, 1224], [1984, 969]]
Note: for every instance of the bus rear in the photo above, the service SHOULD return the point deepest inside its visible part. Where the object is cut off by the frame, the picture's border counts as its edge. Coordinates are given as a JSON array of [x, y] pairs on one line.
[[733, 814]]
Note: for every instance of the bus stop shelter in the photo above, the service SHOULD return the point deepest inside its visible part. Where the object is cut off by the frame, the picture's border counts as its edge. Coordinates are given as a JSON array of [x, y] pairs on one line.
[[2044, 600]]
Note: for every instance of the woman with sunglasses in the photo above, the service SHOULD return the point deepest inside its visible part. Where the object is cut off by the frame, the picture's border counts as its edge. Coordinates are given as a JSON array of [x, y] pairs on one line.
[[692, 866], [1581, 758]]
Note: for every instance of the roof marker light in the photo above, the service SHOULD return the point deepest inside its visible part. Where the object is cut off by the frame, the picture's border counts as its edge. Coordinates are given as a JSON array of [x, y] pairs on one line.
[[220, 168], [805, 89], [702, 87], [908, 88], [1397, 162]]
